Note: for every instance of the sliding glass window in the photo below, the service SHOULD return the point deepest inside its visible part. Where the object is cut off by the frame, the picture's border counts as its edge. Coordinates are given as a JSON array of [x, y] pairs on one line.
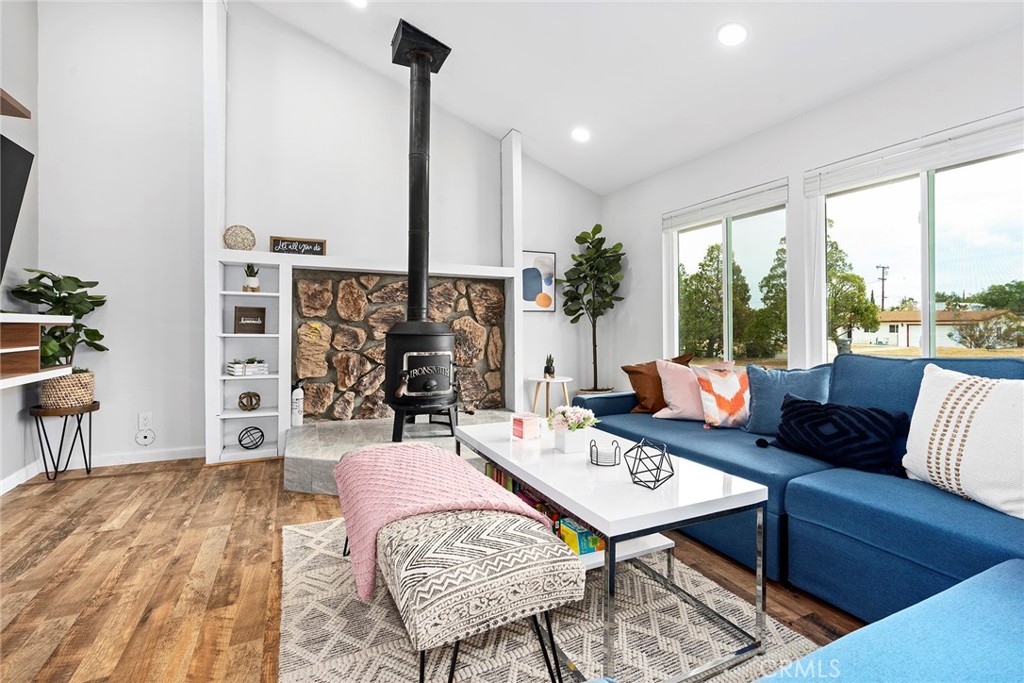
[[741, 317], [979, 258]]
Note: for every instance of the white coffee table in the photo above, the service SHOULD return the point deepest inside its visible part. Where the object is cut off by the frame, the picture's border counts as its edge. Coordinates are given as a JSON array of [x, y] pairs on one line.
[[629, 517]]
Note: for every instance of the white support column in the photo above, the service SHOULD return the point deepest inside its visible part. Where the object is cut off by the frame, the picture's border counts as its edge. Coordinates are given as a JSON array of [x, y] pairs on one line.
[[670, 295], [512, 256], [928, 342], [284, 355], [806, 283], [214, 126]]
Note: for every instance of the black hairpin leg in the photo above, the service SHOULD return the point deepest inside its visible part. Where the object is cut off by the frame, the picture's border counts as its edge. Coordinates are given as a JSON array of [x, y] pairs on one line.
[[554, 648], [455, 658], [423, 666], [543, 648], [345, 552]]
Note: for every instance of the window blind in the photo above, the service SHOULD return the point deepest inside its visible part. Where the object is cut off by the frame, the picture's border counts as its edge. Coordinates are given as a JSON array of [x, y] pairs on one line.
[[765, 196], [988, 137]]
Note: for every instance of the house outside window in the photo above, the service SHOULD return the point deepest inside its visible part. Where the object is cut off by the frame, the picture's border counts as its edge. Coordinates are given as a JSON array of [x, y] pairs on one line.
[[925, 245]]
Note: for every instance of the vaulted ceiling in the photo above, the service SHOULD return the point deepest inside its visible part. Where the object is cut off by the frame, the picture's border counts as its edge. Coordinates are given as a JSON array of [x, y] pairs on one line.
[[649, 79]]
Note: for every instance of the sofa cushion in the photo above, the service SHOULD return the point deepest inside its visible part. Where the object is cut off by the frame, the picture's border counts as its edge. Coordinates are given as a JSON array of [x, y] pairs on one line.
[[646, 382], [730, 450], [970, 632], [725, 395], [769, 386], [844, 436], [682, 395], [909, 519], [892, 384], [968, 438]]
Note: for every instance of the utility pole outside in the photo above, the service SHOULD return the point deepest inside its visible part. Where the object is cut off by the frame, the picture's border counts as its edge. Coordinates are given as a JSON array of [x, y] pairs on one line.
[[885, 270]]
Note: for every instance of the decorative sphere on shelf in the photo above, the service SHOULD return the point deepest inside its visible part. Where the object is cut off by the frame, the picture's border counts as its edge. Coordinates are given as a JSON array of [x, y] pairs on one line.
[[239, 237], [248, 400], [251, 438]]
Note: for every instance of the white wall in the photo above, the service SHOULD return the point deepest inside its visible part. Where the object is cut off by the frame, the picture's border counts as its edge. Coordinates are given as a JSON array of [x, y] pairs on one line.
[[19, 28], [121, 200], [555, 210], [977, 81], [317, 146]]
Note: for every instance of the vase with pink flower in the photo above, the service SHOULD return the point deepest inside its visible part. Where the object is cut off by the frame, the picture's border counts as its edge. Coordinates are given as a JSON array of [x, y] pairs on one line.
[[571, 425]]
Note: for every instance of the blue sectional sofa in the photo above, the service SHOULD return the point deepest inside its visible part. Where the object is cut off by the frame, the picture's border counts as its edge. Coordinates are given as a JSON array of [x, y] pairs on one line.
[[971, 632], [871, 544]]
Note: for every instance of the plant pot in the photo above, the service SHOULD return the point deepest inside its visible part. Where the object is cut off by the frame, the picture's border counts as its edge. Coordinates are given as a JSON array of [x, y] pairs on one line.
[[251, 284], [549, 371], [572, 441], [68, 391]]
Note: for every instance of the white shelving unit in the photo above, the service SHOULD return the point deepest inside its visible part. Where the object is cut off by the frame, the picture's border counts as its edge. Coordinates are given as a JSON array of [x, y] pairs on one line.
[[225, 420]]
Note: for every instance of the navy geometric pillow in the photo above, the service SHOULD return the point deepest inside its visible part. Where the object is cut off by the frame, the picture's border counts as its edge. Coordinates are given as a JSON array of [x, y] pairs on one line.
[[844, 436]]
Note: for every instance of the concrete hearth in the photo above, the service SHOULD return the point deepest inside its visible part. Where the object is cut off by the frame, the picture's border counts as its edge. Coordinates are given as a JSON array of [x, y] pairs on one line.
[[312, 450]]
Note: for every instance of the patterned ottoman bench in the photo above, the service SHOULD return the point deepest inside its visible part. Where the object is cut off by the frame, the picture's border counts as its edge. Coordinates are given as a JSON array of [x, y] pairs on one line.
[[456, 574], [459, 553]]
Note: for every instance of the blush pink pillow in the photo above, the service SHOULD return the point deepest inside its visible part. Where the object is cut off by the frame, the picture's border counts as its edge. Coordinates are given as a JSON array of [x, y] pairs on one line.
[[682, 394]]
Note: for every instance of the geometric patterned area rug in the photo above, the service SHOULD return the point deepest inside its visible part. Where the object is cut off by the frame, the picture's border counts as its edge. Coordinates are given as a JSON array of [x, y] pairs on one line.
[[328, 635]]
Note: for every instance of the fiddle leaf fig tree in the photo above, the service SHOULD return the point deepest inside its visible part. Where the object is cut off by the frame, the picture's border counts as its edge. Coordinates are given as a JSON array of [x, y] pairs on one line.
[[589, 286], [62, 295]]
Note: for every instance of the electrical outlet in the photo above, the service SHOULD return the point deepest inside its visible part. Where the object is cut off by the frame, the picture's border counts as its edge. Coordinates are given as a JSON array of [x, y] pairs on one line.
[[145, 421]]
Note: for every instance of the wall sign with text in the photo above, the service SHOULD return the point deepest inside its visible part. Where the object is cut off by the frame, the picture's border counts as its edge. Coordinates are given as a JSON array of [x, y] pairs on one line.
[[298, 245]]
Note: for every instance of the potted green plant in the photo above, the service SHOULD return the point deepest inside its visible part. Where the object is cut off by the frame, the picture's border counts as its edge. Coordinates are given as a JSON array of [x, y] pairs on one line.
[[549, 367], [589, 286], [252, 283], [64, 295]]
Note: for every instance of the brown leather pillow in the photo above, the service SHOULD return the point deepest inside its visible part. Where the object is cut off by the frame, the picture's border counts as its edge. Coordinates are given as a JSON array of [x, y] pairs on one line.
[[647, 384]]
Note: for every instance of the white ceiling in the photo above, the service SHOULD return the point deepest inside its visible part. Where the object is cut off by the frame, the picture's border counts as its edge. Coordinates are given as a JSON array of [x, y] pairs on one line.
[[648, 79]]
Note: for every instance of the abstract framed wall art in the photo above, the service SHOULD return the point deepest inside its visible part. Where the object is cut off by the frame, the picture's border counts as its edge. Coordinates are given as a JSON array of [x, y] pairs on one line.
[[539, 281]]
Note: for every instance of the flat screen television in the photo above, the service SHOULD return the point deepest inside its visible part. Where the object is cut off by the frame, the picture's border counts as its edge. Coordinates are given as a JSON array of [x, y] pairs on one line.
[[15, 166]]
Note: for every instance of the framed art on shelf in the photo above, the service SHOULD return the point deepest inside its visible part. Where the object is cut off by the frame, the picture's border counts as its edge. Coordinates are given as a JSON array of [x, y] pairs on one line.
[[539, 281]]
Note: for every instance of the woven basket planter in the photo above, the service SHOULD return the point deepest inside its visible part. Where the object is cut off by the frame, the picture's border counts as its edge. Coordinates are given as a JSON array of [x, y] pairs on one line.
[[68, 391]]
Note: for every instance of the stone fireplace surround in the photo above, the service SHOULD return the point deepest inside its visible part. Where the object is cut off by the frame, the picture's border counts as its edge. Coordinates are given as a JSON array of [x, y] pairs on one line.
[[339, 322]]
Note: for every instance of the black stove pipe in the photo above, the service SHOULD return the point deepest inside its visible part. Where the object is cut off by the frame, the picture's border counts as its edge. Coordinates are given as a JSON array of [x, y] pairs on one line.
[[419, 183]]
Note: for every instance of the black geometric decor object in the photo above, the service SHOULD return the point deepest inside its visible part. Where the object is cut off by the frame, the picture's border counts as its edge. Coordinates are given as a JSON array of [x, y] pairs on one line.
[[251, 438], [649, 464]]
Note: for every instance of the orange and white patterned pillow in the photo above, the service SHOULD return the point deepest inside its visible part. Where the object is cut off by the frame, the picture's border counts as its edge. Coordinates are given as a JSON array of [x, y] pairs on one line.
[[725, 395]]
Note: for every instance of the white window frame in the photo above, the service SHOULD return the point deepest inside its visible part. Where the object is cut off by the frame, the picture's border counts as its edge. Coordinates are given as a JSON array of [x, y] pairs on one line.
[[974, 142], [770, 196]]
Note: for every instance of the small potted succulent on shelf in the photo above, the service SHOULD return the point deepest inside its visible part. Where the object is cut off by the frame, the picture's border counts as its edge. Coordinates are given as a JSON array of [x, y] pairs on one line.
[[64, 295], [249, 366], [549, 367], [252, 283]]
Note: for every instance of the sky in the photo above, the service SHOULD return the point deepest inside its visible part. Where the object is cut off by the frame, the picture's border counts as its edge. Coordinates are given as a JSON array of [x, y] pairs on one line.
[[979, 232]]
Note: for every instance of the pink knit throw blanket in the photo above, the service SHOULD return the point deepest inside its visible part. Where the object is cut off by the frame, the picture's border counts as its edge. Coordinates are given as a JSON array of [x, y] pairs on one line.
[[382, 484]]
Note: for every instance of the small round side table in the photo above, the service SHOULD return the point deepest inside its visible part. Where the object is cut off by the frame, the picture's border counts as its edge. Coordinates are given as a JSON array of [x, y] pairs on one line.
[[78, 412], [547, 382]]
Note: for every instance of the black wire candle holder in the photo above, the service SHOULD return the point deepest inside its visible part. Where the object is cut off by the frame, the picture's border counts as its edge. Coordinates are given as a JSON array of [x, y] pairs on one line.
[[649, 464], [608, 457]]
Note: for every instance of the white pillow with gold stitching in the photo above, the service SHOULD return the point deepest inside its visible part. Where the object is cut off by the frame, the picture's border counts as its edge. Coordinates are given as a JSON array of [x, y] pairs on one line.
[[967, 437]]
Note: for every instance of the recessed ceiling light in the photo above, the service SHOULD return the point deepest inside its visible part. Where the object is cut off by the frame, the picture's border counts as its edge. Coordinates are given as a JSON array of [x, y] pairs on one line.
[[580, 134], [732, 34], [359, 3]]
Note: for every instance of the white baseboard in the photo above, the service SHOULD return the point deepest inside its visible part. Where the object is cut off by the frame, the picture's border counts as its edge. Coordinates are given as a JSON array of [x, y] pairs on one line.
[[142, 455], [21, 476], [104, 460]]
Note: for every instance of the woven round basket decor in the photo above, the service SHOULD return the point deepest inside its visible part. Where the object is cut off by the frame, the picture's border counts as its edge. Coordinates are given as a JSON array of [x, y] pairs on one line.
[[68, 391]]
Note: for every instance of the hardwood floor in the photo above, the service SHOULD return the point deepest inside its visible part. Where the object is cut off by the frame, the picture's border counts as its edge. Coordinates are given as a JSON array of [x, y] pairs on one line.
[[171, 572]]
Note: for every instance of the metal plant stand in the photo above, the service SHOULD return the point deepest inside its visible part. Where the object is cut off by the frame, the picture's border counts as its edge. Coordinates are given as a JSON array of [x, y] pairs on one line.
[[46, 450]]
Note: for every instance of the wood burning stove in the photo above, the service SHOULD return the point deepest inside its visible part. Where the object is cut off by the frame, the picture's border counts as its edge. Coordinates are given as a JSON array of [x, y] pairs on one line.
[[418, 361]]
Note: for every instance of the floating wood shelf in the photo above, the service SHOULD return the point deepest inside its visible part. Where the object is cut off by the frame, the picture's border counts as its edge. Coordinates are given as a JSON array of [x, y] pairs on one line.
[[12, 107], [19, 348]]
